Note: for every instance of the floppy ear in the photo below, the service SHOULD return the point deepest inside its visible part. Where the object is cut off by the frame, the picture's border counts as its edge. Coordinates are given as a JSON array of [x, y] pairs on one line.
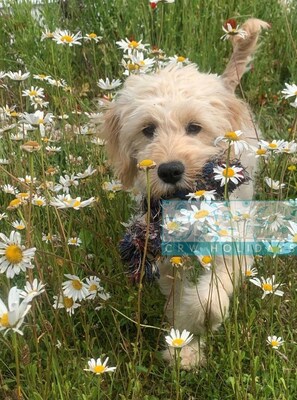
[[243, 49], [124, 165]]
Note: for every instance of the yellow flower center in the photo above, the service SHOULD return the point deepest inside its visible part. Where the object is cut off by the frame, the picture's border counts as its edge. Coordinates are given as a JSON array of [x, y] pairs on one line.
[[181, 59], [200, 192], [77, 285], [15, 203], [146, 164], [231, 136], [39, 202], [14, 114], [20, 227], [248, 272], [92, 35], [274, 343], [133, 67], [246, 216], [260, 152], [77, 203], [206, 259], [267, 287], [223, 232], [172, 226], [68, 302], [33, 93], [228, 172], [176, 260], [92, 287], [272, 145], [292, 167], [201, 214], [133, 44], [42, 76], [294, 238], [4, 320], [14, 254], [99, 369], [67, 38], [40, 121], [24, 196], [178, 342]]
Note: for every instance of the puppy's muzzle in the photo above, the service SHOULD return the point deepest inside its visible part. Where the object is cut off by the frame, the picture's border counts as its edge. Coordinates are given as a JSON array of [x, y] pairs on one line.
[[171, 172]]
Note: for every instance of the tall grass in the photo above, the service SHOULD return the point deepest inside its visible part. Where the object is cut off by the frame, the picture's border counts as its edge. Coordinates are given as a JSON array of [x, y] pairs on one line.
[[51, 355]]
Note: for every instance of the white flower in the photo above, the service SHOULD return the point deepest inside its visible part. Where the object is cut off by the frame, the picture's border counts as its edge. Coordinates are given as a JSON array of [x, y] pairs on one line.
[[275, 145], [39, 201], [180, 61], [107, 85], [9, 189], [275, 342], [93, 285], [57, 82], [113, 186], [290, 90], [292, 237], [289, 147], [66, 37], [38, 118], [18, 225], [231, 30], [32, 290], [177, 340], [93, 37], [233, 139], [74, 241], [14, 258], [273, 221], [12, 317], [65, 302], [130, 46], [275, 185], [248, 271], [41, 77], [173, 225], [74, 288], [224, 174], [65, 182], [18, 76], [207, 195], [69, 202], [197, 214], [33, 92], [268, 286], [88, 172], [99, 366], [206, 260]]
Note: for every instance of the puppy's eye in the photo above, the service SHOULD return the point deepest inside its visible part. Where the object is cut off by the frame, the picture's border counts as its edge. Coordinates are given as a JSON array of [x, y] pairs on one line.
[[193, 128], [149, 130]]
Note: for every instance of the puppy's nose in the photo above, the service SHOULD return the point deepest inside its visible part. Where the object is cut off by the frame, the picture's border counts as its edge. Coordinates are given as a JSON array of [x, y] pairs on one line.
[[171, 172]]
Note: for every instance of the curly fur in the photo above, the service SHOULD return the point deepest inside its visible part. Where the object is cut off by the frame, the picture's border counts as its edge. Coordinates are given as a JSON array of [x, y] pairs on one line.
[[171, 99]]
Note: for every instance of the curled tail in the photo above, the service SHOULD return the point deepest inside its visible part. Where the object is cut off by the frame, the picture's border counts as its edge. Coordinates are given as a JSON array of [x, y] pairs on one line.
[[243, 49]]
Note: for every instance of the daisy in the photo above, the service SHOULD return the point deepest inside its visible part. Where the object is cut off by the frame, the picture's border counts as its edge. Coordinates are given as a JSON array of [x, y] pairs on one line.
[[9, 189], [233, 139], [206, 260], [99, 366], [232, 29], [65, 302], [93, 285], [31, 146], [292, 237], [176, 261], [38, 118], [290, 90], [3, 216], [47, 238], [112, 186], [12, 317], [109, 85], [53, 149], [87, 172], [28, 180], [177, 340], [207, 195], [289, 147], [224, 174], [66, 182], [14, 258], [38, 102], [275, 185], [74, 241], [39, 201], [18, 225], [41, 77], [275, 342], [249, 272], [143, 64], [18, 76], [74, 288], [196, 214], [179, 61], [57, 82], [47, 34], [14, 204], [173, 225], [4, 161], [32, 290], [130, 46], [33, 92], [268, 286], [65, 37], [93, 37], [261, 152], [276, 247], [274, 221], [275, 145]]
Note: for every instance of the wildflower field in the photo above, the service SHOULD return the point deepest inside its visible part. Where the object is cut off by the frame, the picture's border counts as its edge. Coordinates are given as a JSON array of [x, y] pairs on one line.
[[72, 326]]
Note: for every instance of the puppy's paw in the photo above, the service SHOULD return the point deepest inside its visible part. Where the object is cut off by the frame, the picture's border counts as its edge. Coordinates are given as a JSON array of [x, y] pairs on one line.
[[192, 355]]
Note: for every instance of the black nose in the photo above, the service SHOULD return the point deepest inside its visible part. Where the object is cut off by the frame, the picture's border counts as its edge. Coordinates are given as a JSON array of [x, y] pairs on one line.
[[171, 172]]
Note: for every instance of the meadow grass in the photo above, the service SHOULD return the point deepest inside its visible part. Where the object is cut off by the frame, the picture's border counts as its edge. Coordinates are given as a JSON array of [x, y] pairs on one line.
[[48, 361]]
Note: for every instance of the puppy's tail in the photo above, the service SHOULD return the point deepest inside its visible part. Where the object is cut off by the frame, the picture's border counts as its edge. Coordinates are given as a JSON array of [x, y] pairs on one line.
[[243, 49]]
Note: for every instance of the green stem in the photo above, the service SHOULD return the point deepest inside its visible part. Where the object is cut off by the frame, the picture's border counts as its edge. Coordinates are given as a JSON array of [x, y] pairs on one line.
[[226, 194], [17, 365]]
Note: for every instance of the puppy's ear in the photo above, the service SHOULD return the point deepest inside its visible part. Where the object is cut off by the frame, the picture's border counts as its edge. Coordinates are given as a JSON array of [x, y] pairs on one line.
[[243, 49], [124, 165]]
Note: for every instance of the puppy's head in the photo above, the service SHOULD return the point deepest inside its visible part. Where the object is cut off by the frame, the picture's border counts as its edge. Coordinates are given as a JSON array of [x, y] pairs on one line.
[[173, 118]]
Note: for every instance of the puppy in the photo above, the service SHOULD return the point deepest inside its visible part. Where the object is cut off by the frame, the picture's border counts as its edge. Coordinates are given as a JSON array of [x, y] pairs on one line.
[[173, 117]]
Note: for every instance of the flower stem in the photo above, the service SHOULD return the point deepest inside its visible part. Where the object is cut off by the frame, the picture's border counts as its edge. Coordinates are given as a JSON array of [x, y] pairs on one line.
[[17, 365]]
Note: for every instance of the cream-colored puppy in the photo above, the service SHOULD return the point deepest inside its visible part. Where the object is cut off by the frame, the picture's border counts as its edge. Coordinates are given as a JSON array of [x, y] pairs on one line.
[[173, 118]]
